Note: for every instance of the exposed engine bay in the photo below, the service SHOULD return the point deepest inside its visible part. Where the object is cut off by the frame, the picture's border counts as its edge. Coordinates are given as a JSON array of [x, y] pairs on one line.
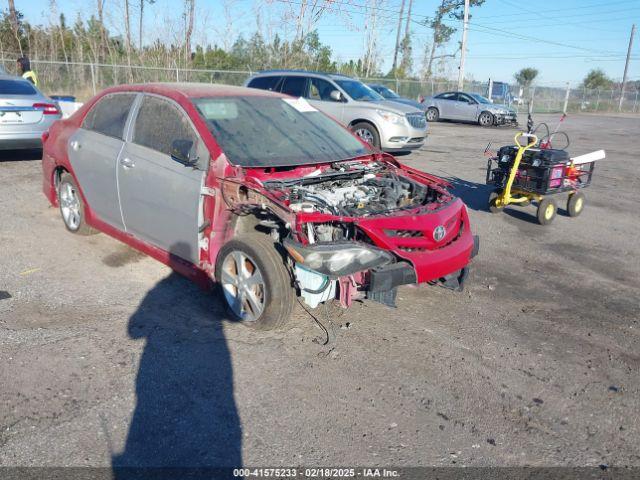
[[372, 189]]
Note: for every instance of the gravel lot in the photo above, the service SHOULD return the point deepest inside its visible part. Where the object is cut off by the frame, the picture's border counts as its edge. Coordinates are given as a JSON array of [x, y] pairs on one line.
[[536, 363]]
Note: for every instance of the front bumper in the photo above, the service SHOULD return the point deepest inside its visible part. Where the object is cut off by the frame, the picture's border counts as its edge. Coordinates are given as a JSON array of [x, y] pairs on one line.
[[505, 119], [401, 137]]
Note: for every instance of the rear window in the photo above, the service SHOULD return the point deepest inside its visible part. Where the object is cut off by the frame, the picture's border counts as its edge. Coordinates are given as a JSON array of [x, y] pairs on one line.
[[16, 87], [264, 83], [109, 115]]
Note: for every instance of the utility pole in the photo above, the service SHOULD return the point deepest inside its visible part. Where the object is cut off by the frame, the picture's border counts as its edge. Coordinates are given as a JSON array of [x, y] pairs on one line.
[[464, 45], [626, 66], [395, 52]]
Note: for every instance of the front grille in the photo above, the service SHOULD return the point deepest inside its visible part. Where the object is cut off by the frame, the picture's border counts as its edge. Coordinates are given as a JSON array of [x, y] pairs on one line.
[[404, 233], [416, 139], [417, 120]]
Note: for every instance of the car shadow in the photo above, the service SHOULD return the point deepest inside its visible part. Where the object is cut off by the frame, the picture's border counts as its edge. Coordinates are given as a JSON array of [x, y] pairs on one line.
[[474, 195], [20, 155], [185, 419]]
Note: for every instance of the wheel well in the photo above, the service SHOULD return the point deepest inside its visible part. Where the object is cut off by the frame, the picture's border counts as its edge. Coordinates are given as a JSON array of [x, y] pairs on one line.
[[57, 174], [486, 111], [364, 120]]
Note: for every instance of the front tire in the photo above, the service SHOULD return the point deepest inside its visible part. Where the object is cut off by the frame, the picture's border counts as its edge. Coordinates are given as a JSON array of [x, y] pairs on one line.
[[433, 115], [72, 207], [255, 282], [367, 132], [485, 119], [575, 204], [547, 210]]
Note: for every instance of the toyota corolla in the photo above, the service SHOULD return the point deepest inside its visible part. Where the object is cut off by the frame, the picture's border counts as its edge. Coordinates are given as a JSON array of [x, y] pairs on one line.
[[257, 192]]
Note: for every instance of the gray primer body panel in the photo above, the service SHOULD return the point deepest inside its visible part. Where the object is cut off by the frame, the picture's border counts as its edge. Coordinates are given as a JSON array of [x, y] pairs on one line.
[[94, 159], [160, 200]]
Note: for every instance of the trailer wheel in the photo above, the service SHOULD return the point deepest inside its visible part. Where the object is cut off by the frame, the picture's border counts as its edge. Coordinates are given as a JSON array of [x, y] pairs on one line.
[[493, 208], [575, 204], [547, 210]]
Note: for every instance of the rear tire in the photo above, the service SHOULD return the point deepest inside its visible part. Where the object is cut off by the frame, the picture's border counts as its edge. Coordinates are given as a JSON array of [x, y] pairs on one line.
[[485, 119], [547, 210], [367, 132], [575, 204], [255, 282], [72, 208], [432, 115]]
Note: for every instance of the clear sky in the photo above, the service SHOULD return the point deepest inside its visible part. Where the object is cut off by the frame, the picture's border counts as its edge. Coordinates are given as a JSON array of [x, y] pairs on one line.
[[563, 39]]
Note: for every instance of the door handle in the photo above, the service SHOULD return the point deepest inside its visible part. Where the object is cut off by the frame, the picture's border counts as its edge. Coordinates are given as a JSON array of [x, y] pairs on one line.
[[127, 162], [75, 145]]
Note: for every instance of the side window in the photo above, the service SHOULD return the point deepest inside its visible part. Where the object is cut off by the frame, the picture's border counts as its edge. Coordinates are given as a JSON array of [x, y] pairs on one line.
[[109, 115], [159, 123], [264, 83], [294, 86], [464, 98], [320, 89], [448, 96]]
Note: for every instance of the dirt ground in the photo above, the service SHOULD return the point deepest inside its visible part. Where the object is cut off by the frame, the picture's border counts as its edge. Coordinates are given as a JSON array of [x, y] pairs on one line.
[[106, 357]]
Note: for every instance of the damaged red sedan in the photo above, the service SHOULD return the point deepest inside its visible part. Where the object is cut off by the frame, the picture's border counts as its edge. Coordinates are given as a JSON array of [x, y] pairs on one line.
[[256, 191]]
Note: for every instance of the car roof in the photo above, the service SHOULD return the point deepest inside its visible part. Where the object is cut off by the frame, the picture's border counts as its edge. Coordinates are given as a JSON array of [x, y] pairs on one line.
[[6, 76], [337, 76], [193, 90]]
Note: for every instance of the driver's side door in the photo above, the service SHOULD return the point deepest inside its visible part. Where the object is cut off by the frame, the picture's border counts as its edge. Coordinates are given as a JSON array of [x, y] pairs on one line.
[[160, 197], [319, 95], [466, 108]]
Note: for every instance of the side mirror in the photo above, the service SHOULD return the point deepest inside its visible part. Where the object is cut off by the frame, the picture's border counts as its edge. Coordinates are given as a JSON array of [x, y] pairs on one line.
[[336, 96], [181, 152]]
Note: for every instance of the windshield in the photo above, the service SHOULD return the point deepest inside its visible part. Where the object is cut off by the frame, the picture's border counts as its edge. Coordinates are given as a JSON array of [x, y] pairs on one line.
[[386, 92], [479, 98], [271, 132], [359, 91]]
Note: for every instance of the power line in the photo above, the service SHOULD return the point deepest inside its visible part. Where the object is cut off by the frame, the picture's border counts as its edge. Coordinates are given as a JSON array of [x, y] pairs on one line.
[[582, 7]]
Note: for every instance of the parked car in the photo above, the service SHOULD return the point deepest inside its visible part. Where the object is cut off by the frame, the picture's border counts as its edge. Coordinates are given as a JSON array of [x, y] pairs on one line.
[[25, 114], [469, 107], [387, 125], [392, 96], [257, 191]]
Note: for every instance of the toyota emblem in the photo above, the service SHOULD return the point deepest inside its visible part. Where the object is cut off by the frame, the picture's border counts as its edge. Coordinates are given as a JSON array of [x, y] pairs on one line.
[[439, 233]]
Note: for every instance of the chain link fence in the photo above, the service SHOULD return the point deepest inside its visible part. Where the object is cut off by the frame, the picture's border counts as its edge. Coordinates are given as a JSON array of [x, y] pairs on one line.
[[83, 80]]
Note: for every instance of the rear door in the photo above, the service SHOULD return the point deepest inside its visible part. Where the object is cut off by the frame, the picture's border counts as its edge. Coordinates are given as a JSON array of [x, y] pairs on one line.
[[319, 95], [159, 196], [446, 104], [94, 150]]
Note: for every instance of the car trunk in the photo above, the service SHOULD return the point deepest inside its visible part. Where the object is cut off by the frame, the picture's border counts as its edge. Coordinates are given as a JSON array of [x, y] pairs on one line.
[[19, 112]]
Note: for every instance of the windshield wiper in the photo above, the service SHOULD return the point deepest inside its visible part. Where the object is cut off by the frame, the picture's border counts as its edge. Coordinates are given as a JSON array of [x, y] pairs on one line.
[[313, 180]]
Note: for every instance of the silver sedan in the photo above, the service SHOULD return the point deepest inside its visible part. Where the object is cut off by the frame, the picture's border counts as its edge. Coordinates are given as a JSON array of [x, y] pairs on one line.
[[469, 107], [25, 114]]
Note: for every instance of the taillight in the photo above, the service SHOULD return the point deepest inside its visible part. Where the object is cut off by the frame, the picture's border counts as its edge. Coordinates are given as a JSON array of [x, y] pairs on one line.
[[47, 108]]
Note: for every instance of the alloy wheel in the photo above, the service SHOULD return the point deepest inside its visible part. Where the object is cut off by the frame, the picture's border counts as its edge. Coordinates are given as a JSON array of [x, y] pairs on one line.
[[365, 135], [243, 286], [70, 206], [485, 119]]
